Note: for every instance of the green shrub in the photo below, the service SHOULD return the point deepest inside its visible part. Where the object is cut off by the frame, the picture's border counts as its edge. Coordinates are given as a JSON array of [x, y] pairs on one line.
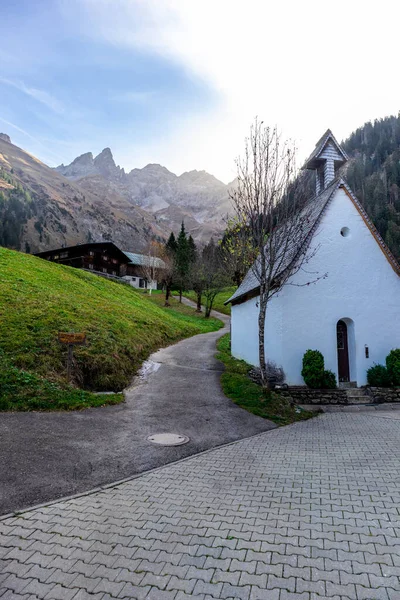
[[313, 368], [393, 366], [314, 373], [378, 376], [328, 380]]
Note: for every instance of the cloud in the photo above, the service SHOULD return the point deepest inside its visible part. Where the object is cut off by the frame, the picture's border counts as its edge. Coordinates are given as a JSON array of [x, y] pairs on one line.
[[301, 65], [39, 95]]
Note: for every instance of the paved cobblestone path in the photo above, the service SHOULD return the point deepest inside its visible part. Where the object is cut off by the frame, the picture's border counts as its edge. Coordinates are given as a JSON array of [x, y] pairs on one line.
[[304, 512]]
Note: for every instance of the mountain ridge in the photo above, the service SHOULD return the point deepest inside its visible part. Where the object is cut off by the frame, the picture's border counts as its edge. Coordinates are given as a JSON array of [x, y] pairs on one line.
[[106, 158], [195, 196], [40, 208]]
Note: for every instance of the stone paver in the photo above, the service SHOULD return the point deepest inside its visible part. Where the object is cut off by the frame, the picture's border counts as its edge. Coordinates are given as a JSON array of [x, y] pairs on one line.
[[306, 512]]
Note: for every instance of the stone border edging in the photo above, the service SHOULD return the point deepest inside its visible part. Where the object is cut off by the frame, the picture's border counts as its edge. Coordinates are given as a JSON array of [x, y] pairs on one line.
[[339, 397]]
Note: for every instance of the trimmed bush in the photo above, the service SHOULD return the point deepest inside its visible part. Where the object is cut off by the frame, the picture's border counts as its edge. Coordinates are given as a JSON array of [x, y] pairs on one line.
[[314, 373], [378, 376], [393, 366], [328, 380], [313, 368]]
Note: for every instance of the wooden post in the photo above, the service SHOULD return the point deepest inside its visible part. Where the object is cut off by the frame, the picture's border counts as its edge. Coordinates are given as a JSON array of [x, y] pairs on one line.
[[71, 340], [69, 361]]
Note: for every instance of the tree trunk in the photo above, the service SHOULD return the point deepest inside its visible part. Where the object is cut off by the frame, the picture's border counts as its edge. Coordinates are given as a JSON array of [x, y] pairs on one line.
[[167, 295], [209, 305], [150, 291], [198, 309], [180, 294], [207, 308], [261, 339]]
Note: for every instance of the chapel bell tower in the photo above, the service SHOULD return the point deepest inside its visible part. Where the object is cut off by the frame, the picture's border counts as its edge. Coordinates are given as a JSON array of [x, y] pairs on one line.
[[327, 157]]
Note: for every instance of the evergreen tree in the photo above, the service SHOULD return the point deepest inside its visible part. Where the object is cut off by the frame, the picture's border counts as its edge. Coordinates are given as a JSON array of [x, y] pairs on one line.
[[169, 258], [192, 250], [171, 245], [373, 173], [182, 260]]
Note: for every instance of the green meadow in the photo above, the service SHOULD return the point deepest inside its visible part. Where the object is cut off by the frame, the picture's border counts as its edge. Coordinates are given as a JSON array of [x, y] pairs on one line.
[[123, 327]]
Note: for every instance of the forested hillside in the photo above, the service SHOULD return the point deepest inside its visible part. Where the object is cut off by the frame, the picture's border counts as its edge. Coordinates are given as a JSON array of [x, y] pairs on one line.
[[373, 173], [16, 208], [41, 209]]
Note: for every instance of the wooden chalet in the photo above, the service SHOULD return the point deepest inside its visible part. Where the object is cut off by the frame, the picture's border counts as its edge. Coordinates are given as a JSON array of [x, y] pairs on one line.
[[105, 258]]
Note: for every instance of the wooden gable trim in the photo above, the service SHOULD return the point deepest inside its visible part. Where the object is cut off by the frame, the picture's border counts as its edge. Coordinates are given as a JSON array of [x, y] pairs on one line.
[[381, 243], [245, 297]]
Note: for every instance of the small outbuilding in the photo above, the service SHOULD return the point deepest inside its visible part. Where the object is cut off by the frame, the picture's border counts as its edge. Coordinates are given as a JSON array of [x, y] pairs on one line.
[[353, 314]]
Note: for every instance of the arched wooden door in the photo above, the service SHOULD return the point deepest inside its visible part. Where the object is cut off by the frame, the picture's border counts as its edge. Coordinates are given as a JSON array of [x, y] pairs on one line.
[[342, 351]]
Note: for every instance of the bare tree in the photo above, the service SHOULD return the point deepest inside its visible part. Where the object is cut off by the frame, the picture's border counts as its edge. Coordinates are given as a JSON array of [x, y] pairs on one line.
[[198, 279], [238, 250], [214, 273], [150, 266], [269, 203], [168, 273]]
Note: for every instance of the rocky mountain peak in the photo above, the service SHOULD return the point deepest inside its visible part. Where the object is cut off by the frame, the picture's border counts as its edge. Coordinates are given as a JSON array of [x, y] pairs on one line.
[[155, 167], [104, 163], [196, 197], [151, 174], [105, 154], [5, 137], [80, 167], [200, 178], [83, 159]]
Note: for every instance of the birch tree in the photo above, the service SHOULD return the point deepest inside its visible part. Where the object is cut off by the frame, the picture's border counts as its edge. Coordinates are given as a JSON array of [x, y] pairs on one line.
[[270, 206]]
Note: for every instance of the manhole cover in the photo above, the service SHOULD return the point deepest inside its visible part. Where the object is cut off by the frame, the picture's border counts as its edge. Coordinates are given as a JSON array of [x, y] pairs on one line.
[[168, 439]]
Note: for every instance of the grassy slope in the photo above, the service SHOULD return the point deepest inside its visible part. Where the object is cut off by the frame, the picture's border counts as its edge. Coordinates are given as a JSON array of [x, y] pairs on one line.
[[38, 299], [250, 396], [219, 299]]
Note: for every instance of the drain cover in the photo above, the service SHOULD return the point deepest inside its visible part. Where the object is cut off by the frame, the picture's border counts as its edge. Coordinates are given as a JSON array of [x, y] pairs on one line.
[[168, 439]]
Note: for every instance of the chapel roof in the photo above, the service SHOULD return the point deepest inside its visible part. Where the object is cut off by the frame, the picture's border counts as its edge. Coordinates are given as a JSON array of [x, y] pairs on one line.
[[314, 210]]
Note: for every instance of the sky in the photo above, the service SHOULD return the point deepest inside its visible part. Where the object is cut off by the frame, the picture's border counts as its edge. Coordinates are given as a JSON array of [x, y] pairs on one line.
[[179, 82]]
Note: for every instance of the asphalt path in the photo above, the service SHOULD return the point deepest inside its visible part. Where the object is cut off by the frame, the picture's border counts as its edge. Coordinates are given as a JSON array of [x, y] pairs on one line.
[[45, 456]]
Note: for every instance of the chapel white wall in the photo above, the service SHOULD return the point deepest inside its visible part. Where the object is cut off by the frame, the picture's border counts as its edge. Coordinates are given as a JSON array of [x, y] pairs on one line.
[[360, 286]]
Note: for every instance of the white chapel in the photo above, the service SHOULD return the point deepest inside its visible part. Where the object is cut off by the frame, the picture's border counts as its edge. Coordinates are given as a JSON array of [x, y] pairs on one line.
[[352, 315]]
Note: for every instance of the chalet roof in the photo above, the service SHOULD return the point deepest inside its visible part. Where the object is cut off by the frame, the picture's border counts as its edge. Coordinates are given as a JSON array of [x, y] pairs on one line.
[[83, 245], [315, 209], [314, 159], [144, 260], [132, 257]]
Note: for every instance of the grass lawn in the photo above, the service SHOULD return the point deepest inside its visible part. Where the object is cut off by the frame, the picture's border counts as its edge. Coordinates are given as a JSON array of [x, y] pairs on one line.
[[250, 396], [123, 327], [183, 313], [219, 299]]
